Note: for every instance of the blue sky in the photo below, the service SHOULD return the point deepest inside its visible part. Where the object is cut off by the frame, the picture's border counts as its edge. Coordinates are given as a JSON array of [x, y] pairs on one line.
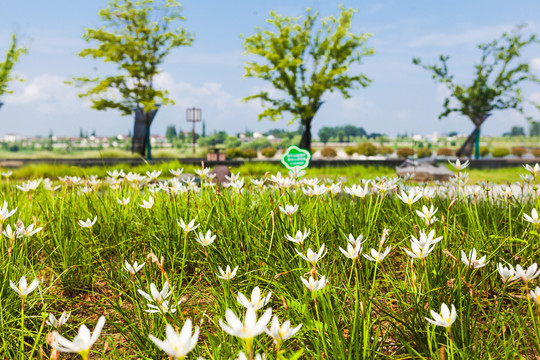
[[401, 98]]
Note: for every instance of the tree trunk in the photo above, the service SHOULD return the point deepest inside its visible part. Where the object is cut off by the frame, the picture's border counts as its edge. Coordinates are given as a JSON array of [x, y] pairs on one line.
[[141, 132], [138, 142], [305, 143]]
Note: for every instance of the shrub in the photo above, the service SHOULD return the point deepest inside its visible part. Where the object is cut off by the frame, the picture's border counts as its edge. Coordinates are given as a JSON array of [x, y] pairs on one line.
[[350, 150], [483, 151], [423, 153], [249, 153], [536, 152], [257, 144], [445, 151], [233, 153], [500, 152], [385, 150], [519, 151], [404, 152], [367, 149], [328, 152], [268, 152]]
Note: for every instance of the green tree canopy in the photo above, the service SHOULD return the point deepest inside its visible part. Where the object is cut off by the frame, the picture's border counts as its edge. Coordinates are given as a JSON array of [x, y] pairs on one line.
[[137, 36], [303, 60], [6, 66], [495, 83]]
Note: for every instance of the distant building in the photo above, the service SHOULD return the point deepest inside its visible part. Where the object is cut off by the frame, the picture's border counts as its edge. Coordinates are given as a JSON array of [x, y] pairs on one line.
[[11, 138]]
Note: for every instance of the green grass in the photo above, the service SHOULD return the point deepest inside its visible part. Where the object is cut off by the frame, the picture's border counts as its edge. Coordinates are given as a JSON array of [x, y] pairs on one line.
[[367, 310]]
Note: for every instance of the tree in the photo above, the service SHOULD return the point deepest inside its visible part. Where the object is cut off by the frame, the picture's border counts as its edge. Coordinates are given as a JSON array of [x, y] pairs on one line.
[[495, 85], [535, 129], [515, 131], [325, 133], [12, 56], [137, 36], [303, 61], [170, 133]]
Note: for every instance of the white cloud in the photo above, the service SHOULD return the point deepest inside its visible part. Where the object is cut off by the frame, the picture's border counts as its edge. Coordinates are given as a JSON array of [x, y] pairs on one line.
[[45, 88], [535, 97], [535, 65], [353, 107], [465, 37]]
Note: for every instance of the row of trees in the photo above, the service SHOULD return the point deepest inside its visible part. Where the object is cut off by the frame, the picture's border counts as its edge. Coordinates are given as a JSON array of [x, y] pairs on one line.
[[304, 58]]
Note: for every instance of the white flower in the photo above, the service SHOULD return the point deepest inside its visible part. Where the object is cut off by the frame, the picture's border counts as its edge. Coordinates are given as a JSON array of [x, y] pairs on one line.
[[427, 214], [132, 269], [289, 209], [533, 218], [426, 241], [355, 241], [116, 174], [377, 256], [153, 175], [352, 252], [299, 237], [57, 323], [410, 198], [471, 259], [205, 240], [528, 275], [155, 295], [7, 173], [296, 172], [446, 318], [189, 227], [416, 252], [25, 232], [81, 343], [458, 165], [48, 185], [311, 256], [335, 188], [256, 302], [176, 172], [202, 172], [5, 213], [533, 170], [314, 285], [88, 223], [251, 326], [535, 295], [10, 234], [315, 190], [177, 345], [227, 274], [233, 177], [161, 307], [134, 177], [23, 289], [281, 332], [258, 356], [357, 190], [507, 274], [258, 182], [148, 204], [29, 185], [124, 201]]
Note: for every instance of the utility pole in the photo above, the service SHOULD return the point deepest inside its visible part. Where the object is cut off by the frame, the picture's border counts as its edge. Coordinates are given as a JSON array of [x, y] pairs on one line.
[[193, 115]]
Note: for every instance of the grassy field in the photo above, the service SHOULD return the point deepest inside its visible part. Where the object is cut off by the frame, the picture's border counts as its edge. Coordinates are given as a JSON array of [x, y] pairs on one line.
[[250, 170], [332, 278]]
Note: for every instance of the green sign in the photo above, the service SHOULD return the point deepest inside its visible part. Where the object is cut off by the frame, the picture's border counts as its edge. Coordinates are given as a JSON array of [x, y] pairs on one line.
[[295, 157]]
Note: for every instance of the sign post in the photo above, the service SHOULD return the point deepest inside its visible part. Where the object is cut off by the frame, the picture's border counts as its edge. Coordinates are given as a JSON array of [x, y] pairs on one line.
[[296, 159]]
